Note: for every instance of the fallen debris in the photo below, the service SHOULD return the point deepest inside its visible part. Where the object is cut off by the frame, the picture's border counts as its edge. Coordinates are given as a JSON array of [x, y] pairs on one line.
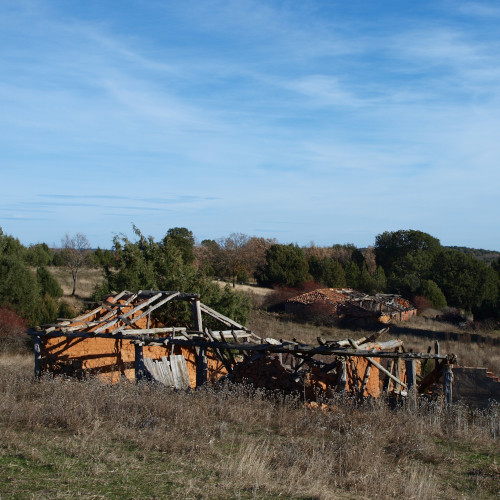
[[346, 303]]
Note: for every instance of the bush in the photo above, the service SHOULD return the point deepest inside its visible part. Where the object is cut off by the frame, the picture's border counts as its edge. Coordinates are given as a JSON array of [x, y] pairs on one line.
[[48, 284], [66, 311], [12, 331], [18, 287], [47, 310], [431, 291]]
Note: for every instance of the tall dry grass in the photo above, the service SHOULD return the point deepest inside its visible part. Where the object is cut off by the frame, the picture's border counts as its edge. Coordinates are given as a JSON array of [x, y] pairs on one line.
[[234, 442]]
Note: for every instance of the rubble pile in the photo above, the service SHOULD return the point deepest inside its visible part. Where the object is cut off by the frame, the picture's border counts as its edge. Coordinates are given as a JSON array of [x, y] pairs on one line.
[[267, 373]]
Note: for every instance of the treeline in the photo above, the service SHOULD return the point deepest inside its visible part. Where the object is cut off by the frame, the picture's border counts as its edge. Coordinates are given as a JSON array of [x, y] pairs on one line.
[[29, 294], [411, 263], [408, 262]]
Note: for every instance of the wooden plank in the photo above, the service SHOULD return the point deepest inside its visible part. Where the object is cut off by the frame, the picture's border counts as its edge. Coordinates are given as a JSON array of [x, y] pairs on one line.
[[131, 298], [379, 366], [150, 331], [221, 317], [436, 351], [169, 380], [149, 365], [383, 370], [155, 306], [179, 371], [140, 306], [124, 317], [284, 347]]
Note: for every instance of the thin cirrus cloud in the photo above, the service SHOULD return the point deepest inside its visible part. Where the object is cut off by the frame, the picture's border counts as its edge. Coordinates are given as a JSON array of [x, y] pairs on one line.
[[247, 111]]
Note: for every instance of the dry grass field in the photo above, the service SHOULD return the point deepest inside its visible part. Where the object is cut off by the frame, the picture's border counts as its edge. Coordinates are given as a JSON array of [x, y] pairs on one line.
[[63, 438]]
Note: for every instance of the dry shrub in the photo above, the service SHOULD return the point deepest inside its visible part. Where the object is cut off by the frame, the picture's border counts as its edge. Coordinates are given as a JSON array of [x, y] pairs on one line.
[[421, 303], [12, 331]]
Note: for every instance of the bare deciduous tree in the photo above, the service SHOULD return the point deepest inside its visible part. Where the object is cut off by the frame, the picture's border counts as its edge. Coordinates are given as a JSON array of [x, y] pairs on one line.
[[235, 254], [76, 254]]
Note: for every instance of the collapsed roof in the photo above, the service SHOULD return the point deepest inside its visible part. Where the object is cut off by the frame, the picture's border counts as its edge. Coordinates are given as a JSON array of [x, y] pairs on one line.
[[349, 302]]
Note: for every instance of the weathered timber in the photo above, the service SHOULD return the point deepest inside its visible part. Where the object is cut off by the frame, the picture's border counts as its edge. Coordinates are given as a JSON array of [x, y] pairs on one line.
[[387, 381], [284, 347], [151, 331], [448, 385], [411, 380], [140, 369], [342, 377], [223, 319], [436, 351], [379, 366], [37, 351], [197, 315], [431, 377], [150, 310], [220, 354], [179, 371], [383, 370], [167, 371], [365, 379]]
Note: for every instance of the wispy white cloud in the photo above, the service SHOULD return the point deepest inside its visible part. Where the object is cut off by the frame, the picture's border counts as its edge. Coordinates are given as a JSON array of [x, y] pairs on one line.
[[222, 114]]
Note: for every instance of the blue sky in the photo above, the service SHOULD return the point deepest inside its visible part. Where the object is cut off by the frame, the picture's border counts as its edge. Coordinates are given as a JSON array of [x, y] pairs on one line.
[[324, 121]]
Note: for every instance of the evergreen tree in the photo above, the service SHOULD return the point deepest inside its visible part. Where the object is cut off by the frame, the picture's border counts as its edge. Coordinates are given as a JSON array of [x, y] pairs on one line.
[[352, 274], [394, 251], [182, 239], [327, 271], [286, 265], [431, 291], [466, 282], [47, 283]]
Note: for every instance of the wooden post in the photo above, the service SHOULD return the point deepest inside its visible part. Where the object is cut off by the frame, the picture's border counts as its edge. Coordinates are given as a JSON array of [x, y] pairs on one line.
[[448, 385], [197, 315], [342, 379], [201, 366], [365, 380], [411, 382], [396, 371], [388, 381], [201, 352], [436, 351], [140, 369], [37, 350]]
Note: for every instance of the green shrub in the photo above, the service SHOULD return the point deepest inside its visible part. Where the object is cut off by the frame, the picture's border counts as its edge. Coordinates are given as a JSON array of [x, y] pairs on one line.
[[431, 291], [48, 284]]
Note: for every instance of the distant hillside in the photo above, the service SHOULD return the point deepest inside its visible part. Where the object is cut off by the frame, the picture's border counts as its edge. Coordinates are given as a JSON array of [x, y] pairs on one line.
[[487, 256]]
